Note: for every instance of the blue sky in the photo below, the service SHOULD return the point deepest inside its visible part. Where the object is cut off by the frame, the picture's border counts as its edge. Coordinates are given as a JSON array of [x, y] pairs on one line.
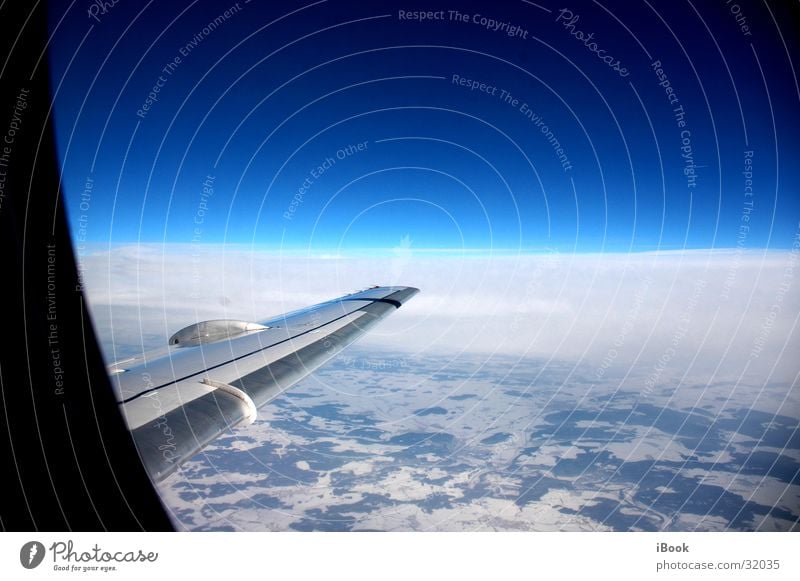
[[333, 126]]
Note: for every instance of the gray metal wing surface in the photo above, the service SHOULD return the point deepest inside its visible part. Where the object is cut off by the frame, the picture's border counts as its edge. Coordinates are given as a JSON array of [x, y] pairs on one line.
[[214, 375]]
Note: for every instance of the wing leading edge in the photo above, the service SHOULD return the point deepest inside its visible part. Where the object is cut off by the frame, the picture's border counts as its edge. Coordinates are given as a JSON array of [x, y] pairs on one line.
[[216, 374]]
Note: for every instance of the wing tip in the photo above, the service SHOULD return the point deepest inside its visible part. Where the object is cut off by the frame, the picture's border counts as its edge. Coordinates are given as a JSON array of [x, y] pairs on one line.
[[402, 294]]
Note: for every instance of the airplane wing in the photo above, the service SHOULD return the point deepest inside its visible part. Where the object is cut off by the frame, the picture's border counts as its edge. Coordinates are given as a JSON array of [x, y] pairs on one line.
[[215, 375]]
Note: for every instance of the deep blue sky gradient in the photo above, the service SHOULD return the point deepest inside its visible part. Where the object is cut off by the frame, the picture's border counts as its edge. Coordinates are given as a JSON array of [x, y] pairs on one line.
[[259, 107]]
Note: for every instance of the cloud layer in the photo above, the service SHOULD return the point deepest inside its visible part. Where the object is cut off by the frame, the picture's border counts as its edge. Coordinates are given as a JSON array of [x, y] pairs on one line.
[[718, 313]]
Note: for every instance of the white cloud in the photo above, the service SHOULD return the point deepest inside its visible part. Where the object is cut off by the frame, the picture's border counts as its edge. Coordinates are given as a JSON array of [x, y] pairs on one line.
[[719, 311]]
